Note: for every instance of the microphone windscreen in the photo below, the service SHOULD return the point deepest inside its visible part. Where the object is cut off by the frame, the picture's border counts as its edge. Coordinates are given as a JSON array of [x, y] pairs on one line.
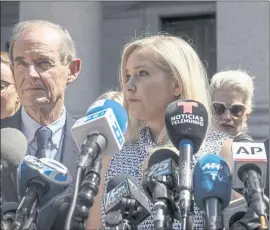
[[118, 110], [161, 155], [119, 178], [125, 186], [13, 147], [186, 119], [212, 179]]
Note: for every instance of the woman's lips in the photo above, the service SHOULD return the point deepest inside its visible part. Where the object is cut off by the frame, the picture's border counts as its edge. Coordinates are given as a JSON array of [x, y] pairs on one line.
[[132, 100], [34, 89], [227, 126]]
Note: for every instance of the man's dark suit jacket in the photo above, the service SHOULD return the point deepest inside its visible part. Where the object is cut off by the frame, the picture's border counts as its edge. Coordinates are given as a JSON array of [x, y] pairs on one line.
[[69, 157]]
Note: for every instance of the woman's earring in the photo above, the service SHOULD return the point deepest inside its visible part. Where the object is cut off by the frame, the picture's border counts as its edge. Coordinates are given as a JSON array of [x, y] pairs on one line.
[[177, 95], [177, 92]]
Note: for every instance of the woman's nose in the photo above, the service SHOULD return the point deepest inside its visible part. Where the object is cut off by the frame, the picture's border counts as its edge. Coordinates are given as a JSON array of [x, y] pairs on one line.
[[227, 115], [131, 84]]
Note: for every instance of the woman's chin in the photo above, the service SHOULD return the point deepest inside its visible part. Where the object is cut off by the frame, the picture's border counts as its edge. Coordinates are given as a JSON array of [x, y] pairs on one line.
[[230, 131], [137, 114]]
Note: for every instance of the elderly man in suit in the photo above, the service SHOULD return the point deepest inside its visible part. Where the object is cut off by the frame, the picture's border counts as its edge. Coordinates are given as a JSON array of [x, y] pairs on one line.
[[43, 61]]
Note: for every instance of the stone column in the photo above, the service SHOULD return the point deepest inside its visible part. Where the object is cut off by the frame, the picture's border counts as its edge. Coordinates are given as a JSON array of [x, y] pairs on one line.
[[243, 42]]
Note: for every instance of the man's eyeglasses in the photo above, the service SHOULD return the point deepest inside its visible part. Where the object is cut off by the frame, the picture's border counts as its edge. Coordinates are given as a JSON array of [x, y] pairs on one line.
[[236, 110]]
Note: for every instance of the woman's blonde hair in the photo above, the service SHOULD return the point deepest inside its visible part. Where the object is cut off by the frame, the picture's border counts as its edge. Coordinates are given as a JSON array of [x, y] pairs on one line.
[[114, 95], [178, 59], [235, 80]]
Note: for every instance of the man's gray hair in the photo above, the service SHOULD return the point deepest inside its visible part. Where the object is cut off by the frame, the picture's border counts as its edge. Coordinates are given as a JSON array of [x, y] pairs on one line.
[[67, 49]]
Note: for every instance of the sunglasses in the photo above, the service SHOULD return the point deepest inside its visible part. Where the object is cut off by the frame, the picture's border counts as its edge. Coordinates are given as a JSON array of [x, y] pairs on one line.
[[236, 110]]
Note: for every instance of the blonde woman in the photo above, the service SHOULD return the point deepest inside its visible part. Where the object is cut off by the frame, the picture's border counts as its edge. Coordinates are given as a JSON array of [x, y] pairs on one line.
[[232, 98], [10, 101], [155, 71]]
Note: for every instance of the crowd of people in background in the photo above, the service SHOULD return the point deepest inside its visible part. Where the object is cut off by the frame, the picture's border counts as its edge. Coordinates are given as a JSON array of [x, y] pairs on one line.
[[154, 71]]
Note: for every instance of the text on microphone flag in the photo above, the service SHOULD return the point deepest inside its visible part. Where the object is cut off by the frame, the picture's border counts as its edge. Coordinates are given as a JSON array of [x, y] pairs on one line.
[[249, 151]]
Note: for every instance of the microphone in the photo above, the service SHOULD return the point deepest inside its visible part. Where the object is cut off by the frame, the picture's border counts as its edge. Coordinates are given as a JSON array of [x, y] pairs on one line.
[[161, 184], [8, 210], [99, 133], [104, 125], [125, 205], [266, 144], [13, 149], [212, 183], [186, 123], [39, 180], [85, 198], [250, 167]]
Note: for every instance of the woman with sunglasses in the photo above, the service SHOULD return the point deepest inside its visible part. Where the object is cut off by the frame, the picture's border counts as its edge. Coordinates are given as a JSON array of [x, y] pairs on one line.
[[10, 102], [232, 96]]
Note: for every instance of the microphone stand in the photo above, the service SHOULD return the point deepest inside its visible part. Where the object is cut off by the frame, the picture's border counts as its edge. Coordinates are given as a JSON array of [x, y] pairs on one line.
[[213, 216], [186, 202], [258, 202], [164, 205], [122, 220], [163, 220], [91, 148], [115, 221], [7, 220], [85, 199], [250, 221], [27, 210]]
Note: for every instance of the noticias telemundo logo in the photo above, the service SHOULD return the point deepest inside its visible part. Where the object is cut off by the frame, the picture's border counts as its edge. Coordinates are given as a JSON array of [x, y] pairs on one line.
[[187, 106]]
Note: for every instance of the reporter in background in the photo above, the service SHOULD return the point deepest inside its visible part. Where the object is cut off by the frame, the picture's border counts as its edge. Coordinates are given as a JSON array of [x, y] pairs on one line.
[[155, 71], [232, 97], [10, 102], [43, 61]]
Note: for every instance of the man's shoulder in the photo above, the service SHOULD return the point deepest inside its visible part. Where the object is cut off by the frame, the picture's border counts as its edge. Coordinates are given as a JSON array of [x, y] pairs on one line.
[[12, 121]]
